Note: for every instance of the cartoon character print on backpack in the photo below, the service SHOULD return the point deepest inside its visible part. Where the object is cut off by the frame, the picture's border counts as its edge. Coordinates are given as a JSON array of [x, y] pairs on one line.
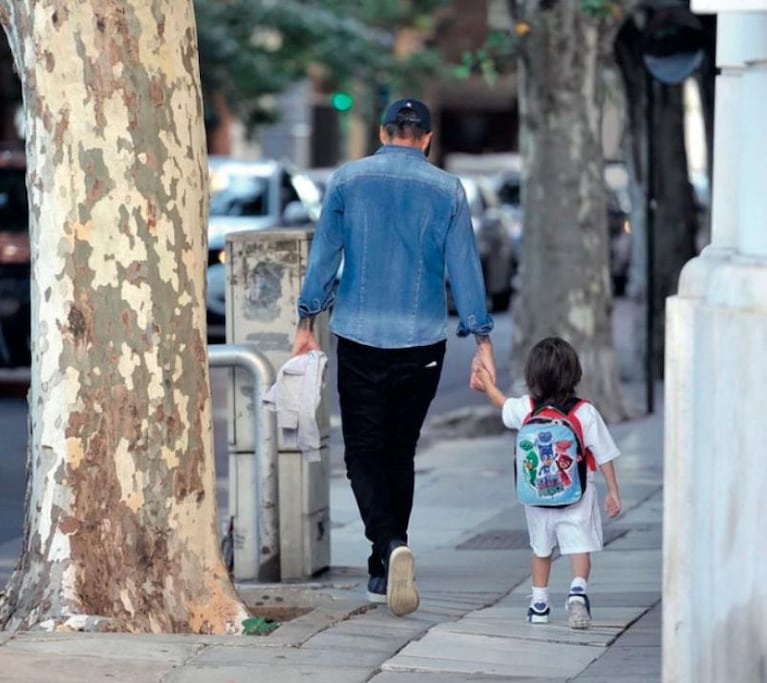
[[564, 461], [547, 480], [551, 462]]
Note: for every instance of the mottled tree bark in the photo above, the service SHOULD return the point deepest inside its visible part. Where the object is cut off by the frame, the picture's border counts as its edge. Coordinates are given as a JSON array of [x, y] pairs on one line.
[[565, 288], [121, 530]]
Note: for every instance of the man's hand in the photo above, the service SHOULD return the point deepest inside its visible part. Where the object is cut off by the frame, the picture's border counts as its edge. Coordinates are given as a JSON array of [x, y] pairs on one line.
[[305, 340], [483, 358]]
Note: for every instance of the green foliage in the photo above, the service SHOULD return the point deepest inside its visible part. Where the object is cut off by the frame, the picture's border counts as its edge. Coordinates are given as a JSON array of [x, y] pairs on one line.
[[598, 8], [495, 57], [250, 49]]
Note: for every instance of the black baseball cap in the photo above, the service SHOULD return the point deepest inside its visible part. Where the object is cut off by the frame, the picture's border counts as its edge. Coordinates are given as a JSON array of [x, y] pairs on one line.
[[423, 115]]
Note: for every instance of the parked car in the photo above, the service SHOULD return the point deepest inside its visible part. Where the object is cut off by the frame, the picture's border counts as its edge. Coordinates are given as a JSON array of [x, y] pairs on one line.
[[320, 176], [14, 261], [508, 185], [498, 233], [250, 195]]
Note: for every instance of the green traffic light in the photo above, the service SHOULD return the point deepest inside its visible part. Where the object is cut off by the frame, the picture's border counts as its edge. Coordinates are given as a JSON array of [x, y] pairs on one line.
[[341, 101]]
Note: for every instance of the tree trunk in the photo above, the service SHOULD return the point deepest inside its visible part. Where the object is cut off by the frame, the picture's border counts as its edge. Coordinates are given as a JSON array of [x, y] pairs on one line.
[[120, 528], [565, 288], [674, 219]]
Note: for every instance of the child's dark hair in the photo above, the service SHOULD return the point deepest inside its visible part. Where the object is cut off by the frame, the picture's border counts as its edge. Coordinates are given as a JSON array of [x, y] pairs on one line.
[[552, 370]]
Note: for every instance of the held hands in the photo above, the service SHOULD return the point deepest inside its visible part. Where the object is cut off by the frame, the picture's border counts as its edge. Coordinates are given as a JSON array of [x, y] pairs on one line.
[[612, 504], [482, 377], [483, 359]]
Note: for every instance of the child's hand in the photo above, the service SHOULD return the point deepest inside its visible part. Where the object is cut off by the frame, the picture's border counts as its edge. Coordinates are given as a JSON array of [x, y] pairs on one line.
[[483, 378], [612, 504]]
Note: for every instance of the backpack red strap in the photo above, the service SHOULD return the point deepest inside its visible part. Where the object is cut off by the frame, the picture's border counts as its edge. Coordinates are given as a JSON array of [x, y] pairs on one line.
[[576, 423]]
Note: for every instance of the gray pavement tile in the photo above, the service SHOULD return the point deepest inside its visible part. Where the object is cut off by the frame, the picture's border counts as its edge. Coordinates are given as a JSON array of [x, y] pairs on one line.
[[169, 649], [381, 618], [645, 632], [44, 668], [465, 653], [444, 517], [640, 539], [625, 664], [384, 632], [285, 672], [443, 677], [348, 651], [223, 656]]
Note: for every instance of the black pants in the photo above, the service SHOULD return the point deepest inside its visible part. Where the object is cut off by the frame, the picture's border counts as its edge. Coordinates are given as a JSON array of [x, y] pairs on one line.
[[384, 396]]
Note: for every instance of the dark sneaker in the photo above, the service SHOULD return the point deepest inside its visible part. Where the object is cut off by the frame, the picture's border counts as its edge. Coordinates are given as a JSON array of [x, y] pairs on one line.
[[579, 610], [377, 589], [538, 612], [401, 593]]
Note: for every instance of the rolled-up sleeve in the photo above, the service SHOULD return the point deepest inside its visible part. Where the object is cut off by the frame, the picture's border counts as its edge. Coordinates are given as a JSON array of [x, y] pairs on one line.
[[318, 291], [465, 271]]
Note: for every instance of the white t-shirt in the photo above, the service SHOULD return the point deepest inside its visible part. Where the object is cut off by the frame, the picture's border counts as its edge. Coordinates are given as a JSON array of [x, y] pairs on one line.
[[595, 434]]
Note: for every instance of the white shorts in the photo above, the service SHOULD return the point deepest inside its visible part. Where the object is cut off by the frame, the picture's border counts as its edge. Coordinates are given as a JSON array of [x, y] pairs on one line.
[[575, 529]]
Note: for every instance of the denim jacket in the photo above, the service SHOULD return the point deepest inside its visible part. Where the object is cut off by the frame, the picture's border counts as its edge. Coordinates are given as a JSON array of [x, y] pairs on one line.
[[401, 225]]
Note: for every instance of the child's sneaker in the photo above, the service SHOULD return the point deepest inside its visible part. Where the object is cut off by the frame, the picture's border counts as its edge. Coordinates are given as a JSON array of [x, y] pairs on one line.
[[538, 612], [579, 610]]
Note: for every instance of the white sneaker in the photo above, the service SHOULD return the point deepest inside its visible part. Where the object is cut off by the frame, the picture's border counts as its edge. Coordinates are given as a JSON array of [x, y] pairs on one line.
[[579, 611], [538, 612], [401, 593]]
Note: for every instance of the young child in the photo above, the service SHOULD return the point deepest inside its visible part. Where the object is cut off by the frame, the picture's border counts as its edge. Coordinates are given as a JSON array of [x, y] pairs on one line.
[[552, 372]]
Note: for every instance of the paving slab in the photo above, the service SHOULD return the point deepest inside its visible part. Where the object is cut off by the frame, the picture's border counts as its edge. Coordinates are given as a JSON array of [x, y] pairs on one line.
[[446, 677], [43, 668], [279, 672], [445, 651]]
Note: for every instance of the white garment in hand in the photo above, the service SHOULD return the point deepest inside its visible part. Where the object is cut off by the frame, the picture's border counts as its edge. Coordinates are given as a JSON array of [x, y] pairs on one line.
[[295, 396]]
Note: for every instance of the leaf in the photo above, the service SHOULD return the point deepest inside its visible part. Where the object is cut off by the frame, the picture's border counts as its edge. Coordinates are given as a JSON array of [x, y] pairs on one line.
[[462, 71], [258, 626]]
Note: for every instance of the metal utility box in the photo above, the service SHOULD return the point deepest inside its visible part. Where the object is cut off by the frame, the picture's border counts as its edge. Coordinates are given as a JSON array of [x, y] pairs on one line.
[[265, 270]]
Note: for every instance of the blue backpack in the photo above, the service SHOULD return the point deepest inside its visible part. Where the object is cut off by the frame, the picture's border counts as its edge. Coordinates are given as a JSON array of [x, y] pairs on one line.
[[551, 460]]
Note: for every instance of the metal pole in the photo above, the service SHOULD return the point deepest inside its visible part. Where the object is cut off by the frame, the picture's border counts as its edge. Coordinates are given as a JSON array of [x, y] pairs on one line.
[[253, 477], [650, 235]]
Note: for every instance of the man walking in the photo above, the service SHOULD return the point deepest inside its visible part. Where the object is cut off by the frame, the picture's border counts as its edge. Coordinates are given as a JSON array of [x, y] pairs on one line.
[[400, 224]]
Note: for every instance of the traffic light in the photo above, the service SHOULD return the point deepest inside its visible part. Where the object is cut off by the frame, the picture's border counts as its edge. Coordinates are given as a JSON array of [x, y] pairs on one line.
[[341, 101]]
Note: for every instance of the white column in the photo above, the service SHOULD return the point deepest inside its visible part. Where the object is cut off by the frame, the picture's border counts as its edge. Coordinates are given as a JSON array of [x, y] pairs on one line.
[[752, 233], [715, 601], [696, 274]]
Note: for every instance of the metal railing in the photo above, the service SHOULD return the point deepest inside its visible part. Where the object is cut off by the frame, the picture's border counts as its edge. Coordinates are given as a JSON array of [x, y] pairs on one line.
[[253, 476]]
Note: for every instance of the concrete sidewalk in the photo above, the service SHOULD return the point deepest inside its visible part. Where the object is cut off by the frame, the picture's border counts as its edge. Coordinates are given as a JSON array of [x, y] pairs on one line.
[[469, 538]]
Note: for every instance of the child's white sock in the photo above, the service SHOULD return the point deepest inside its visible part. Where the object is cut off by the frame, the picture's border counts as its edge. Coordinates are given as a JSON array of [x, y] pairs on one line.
[[578, 585], [541, 594]]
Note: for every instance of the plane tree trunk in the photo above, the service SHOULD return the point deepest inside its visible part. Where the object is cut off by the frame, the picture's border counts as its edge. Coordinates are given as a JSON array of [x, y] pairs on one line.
[[565, 283], [121, 516]]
